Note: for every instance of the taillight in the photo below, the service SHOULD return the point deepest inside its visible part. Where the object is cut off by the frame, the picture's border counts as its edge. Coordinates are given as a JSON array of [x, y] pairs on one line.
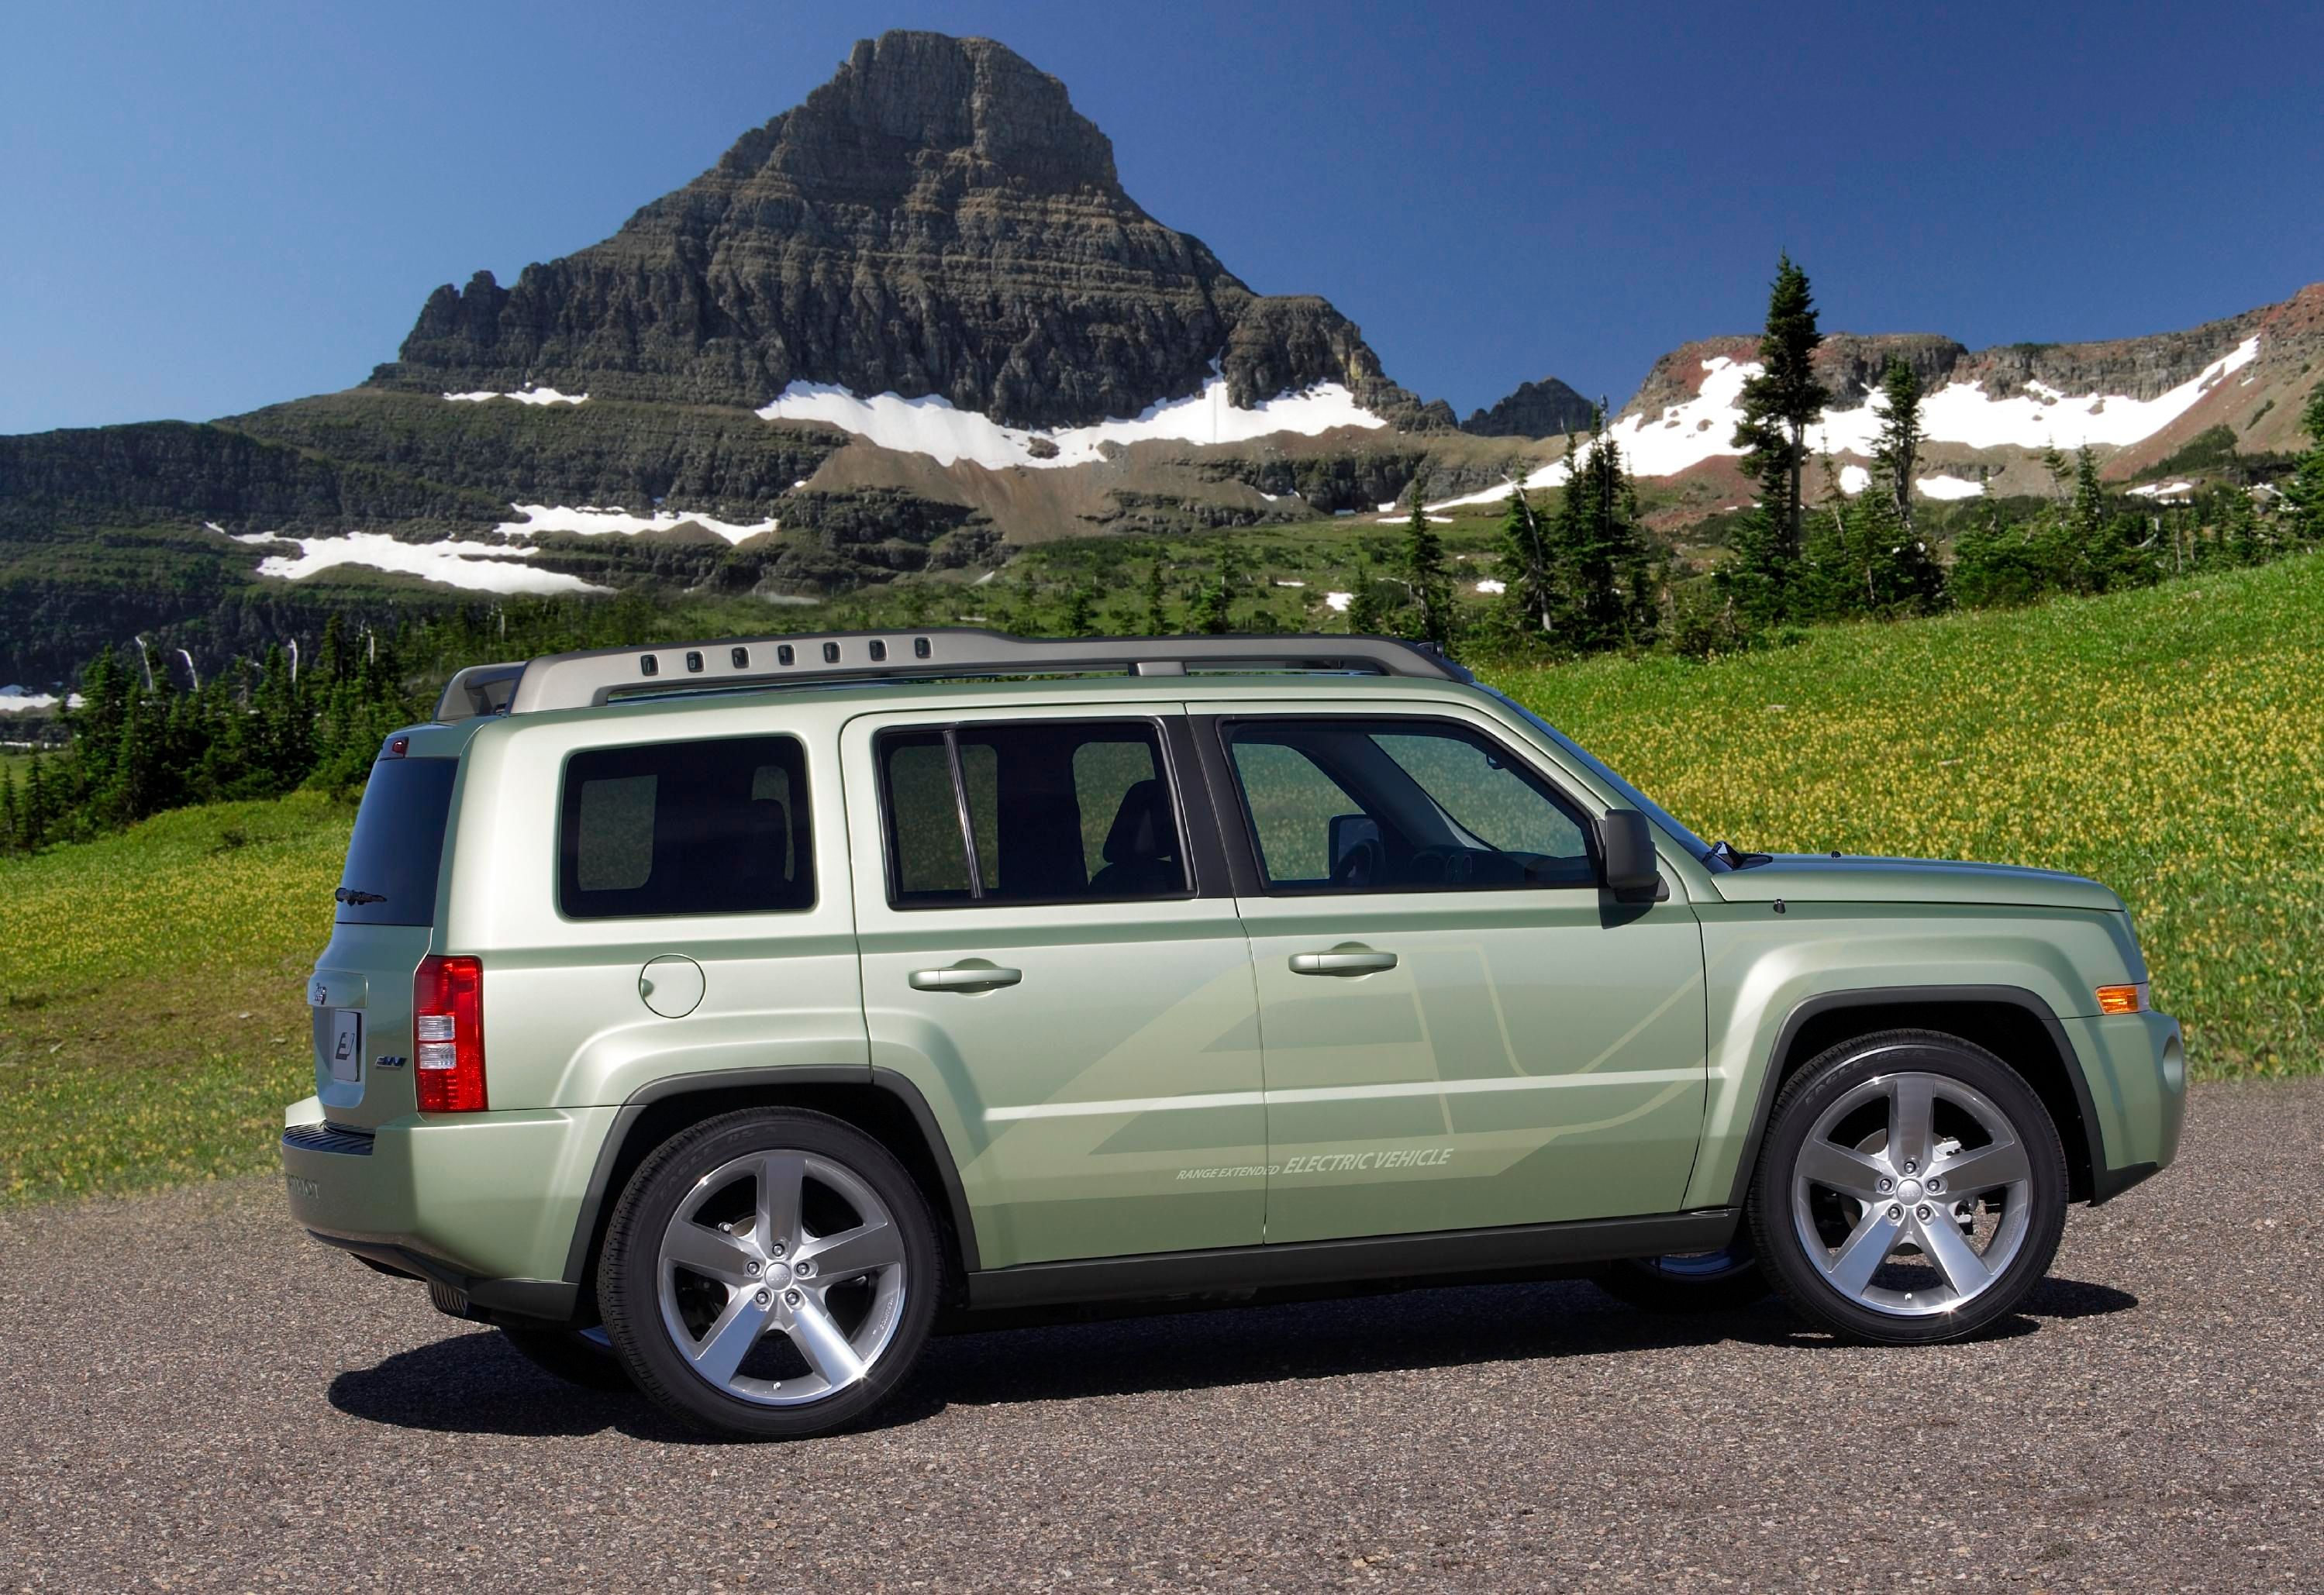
[[448, 1034]]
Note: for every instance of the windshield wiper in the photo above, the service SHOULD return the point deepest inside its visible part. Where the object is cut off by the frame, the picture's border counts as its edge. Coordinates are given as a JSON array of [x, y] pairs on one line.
[[355, 899], [1726, 852]]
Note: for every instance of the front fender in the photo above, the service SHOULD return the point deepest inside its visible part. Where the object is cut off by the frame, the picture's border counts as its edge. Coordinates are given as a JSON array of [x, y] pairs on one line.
[[1766, 973]]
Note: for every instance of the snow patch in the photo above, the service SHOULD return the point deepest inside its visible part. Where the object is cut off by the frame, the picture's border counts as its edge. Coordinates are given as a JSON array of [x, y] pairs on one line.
[[31, 703], [1491, 587], [484, 567], [590, 520], [523, 396], [932, 427], [2164, 490], [1949, 488], [1337, 602], [1702, 427], [1854, 479]]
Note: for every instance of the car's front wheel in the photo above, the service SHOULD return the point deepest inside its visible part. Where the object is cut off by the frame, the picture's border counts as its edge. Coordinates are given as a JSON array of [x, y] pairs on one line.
[[771, 1274], [1911, 1188]]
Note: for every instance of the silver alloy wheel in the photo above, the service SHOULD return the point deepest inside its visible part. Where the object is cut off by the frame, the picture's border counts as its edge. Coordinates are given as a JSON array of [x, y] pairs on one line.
[[1869, 1187], [725, 1284]]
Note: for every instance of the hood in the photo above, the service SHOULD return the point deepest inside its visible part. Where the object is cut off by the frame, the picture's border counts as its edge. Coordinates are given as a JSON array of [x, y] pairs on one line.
[[1818, 878]]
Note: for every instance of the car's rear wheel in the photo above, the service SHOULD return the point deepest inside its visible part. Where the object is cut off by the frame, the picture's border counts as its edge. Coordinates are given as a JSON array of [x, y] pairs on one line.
[[1911, 1188], [771, 1274], [1718, 1281]]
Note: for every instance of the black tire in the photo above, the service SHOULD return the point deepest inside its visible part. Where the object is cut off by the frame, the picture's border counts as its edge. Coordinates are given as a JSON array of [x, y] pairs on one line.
[[628, 1291], [572, 1355], [1823, 1085], [1723, 1281]]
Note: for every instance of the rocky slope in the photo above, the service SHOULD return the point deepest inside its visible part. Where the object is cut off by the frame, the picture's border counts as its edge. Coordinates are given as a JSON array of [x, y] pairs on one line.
[[936, 219]]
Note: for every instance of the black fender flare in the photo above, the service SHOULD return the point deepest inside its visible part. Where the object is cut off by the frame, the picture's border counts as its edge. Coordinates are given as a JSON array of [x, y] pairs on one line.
[[2104, 1181], [599, 1194]]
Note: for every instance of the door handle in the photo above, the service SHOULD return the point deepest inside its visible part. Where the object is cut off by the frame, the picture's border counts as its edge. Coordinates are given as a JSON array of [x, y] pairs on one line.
[[964, 977], [1349, 959]]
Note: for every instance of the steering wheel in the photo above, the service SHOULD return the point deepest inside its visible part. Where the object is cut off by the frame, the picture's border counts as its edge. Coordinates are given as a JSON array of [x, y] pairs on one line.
[[1451, 865]]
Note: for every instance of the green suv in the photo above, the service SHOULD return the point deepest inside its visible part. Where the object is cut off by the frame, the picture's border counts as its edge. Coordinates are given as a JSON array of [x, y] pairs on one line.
[[722, 1018]]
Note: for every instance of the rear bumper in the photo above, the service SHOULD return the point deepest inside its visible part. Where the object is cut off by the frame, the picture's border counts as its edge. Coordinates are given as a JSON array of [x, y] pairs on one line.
[[483, 1204], [2135, 1067]]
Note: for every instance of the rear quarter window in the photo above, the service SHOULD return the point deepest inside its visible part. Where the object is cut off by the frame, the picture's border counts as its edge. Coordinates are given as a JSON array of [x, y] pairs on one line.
[[698, 827], [398, 843]]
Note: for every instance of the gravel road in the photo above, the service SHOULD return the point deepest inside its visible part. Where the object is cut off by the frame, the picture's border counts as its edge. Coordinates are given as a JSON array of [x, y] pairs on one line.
[[194, 1394]]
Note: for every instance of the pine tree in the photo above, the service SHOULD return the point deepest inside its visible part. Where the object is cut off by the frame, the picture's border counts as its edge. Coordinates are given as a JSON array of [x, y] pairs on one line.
[[1427, 574], [2239, 536], [11, 824], [1525, 564], [1214, 614], [2055, 464], [2304, 495], [34, 824], [1158, 608], [1897, 449], [1598, 541], [1779, 405], [1081, 612], [1366, 618]]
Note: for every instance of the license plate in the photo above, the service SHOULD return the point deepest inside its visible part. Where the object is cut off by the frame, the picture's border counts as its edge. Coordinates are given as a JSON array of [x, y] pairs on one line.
[[346, 1045]]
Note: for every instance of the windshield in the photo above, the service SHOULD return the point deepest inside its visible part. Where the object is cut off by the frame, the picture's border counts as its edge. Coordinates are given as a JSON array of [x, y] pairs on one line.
[[1597, 767], [398, 840]]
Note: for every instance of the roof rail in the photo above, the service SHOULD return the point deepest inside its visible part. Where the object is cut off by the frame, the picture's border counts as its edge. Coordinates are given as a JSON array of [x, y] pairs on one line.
[[479, 691], [601, 675]]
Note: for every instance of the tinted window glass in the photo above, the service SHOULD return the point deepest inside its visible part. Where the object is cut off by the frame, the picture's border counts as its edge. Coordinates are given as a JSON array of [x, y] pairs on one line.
[[704, 827], [1402, 805], [398, 843], [925, 853], [1058, 812]]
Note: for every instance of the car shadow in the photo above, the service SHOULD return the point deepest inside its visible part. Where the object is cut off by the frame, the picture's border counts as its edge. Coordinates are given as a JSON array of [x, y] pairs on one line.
[[1406, 1332], [473, 1383]]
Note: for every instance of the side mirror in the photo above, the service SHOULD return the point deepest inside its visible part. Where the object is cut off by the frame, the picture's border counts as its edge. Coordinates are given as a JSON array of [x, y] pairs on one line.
[[1349, 832], [1632, 873]]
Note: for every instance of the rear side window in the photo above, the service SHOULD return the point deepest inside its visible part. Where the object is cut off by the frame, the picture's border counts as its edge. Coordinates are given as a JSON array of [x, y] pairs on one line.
[[1050, 812], [701, 827], [399, 842]]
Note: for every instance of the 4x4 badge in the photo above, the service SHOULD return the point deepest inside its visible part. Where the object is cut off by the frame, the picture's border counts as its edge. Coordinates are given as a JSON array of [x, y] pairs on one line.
[[387, 1060]]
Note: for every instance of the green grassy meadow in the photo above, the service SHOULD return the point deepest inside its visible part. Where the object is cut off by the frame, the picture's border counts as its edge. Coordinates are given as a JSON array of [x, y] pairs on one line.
[[2169, 742]]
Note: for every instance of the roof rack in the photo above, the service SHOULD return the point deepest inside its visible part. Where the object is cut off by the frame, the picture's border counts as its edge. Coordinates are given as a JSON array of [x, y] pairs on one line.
[[603, 675]]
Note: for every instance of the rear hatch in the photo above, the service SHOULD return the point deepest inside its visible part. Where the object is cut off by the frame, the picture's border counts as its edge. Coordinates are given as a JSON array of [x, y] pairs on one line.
[[360, 995]]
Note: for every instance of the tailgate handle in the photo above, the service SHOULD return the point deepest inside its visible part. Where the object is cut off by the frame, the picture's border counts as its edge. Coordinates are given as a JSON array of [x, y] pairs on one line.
[[1347, 960], [335, 988], [964, 977]]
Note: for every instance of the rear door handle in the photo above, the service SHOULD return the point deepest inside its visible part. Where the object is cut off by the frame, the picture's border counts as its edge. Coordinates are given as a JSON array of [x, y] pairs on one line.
[[964, 977], [1342, 961]]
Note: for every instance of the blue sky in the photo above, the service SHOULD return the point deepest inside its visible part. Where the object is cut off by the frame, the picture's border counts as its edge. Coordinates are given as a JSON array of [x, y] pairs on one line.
[[207, 208]]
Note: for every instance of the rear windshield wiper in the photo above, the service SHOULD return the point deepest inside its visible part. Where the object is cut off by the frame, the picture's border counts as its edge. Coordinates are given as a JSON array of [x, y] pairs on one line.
[[355, 899], [1727, 854]]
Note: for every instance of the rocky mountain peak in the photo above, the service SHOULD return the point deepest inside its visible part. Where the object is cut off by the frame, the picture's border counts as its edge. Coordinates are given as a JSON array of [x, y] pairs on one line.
[[907, 105], [1545, 409], [936, 219]]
